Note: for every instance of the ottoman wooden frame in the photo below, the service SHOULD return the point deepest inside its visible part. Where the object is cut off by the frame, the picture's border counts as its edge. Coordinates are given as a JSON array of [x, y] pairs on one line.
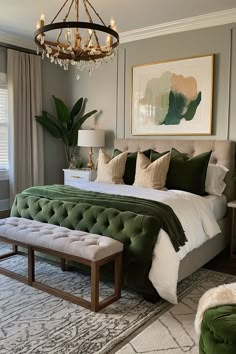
[[94, 304]]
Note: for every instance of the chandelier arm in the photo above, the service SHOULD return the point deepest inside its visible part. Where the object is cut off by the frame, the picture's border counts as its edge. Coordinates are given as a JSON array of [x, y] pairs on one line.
[[64, 20], [88, 2], [58, 37], [68, 10], [77, 10], [91, 21], [59, 11]]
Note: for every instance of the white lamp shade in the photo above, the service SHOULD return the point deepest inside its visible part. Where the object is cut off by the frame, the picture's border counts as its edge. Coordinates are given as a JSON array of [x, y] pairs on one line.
[[91, 138]]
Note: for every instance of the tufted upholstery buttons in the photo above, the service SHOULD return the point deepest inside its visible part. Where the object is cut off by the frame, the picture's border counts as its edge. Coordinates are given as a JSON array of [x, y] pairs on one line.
[[126, 227]]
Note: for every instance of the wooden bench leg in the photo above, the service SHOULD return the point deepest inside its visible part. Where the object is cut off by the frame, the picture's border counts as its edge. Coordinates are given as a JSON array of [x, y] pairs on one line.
[[118, 274], [9, 254], [63, 264], [95, 286], [31, 265], [14, 249]]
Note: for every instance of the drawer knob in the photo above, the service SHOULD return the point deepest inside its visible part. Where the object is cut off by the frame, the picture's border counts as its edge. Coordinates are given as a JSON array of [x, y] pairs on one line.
[[75, 176]]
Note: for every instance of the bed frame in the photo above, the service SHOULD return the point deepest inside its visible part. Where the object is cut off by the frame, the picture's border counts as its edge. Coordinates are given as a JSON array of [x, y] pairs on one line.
[[223, 153]]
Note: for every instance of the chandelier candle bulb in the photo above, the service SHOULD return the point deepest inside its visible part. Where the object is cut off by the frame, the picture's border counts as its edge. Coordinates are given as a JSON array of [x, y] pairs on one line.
[[42, 20], [109, 41], [112, 22], [68, 35]]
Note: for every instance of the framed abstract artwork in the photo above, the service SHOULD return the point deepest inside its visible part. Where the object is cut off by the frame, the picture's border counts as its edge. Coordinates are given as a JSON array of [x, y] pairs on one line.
[[173, 97]]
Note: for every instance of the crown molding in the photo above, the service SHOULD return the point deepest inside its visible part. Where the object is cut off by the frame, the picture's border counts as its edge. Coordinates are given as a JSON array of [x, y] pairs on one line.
[[188, 24], [15, 40]]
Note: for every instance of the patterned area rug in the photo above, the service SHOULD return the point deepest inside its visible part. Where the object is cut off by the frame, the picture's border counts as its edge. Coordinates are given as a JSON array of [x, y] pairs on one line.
[[173, 332], [32, 321]]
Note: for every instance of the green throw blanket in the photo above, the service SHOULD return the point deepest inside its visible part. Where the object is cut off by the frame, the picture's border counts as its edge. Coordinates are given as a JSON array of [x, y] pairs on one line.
[[35, 201], [164, 214]]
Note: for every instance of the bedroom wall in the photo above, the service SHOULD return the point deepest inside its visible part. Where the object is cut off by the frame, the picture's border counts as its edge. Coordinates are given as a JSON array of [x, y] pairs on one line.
[[110, 87], [54, 82]]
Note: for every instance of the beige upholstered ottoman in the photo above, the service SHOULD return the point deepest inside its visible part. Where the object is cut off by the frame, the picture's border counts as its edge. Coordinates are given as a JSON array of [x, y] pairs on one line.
[[86, 248]]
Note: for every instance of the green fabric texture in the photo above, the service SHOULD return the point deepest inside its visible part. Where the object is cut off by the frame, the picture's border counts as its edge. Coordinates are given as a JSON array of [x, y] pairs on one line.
[[156, 155], [218, 331], [166, 217], [133, 221], [136, 232], [130, 165], [188, 174]]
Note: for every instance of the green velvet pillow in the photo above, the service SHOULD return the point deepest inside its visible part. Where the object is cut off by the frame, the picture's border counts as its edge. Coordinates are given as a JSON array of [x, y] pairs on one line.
[[156, 155], [130, 166], [188, 174]]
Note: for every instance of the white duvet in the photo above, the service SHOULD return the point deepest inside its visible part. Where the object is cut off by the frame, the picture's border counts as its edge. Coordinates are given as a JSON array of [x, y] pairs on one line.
[[198, 222]]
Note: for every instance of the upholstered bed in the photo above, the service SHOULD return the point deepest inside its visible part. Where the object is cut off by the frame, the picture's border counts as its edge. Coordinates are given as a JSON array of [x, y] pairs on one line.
[[29, 205], [223, 153]]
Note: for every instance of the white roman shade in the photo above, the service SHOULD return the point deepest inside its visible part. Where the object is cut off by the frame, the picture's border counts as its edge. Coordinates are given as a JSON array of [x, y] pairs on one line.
[[3, 122]]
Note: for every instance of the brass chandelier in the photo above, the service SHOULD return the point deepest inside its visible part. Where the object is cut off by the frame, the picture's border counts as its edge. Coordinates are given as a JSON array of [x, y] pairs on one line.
[[85, 45]]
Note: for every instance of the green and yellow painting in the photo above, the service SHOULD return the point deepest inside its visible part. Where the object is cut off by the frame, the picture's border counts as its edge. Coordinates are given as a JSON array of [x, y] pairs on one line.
[[173, 97]]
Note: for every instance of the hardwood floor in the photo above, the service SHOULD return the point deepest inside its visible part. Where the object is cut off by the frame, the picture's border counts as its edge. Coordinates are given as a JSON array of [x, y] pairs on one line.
[[223, 263]]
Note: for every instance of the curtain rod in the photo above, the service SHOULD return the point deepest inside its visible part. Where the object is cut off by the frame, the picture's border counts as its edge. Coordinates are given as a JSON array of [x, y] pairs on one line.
[[15, 47]]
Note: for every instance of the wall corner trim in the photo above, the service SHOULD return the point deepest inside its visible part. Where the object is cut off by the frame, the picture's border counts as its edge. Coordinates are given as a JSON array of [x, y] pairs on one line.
[[187, 24]]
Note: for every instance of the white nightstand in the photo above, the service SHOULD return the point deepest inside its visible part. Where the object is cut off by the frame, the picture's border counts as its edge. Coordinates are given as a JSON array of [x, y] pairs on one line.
[[232, 205], [75, 177]]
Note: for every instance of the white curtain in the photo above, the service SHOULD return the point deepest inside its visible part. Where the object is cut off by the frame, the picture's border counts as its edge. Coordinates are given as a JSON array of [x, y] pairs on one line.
[[26, 164]]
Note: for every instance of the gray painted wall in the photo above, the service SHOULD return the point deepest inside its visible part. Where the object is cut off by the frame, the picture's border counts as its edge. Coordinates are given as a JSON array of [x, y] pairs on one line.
[[55, 81], [3, 60], [101, 91], [110, 88]]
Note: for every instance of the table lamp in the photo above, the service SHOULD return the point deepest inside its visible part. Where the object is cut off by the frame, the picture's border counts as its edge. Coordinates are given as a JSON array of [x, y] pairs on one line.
[[91, 138]]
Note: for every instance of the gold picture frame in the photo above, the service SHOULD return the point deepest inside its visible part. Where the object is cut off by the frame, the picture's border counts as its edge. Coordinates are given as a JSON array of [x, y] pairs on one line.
[[173, 97]]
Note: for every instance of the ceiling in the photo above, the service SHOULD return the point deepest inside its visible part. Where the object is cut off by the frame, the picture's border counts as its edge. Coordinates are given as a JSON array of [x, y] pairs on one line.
[[20, 16]]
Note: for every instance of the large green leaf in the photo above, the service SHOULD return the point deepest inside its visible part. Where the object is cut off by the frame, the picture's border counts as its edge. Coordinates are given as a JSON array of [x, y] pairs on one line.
[[63, 113], [50, 125], [76, 108], [73, 134], [82, 119]]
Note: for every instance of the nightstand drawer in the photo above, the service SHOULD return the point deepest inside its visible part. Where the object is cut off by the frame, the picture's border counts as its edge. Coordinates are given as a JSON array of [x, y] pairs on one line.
[[79, 176]]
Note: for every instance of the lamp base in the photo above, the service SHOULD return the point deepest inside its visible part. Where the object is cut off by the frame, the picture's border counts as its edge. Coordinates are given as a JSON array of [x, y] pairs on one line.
[[90, 163]]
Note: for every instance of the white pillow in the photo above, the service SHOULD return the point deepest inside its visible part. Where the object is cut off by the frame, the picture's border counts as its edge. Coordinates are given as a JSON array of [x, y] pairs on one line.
[[215, 179]]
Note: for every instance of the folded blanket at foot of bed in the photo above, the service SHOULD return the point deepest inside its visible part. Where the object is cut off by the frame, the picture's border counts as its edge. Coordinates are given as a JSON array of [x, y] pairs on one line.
[[134, 222]]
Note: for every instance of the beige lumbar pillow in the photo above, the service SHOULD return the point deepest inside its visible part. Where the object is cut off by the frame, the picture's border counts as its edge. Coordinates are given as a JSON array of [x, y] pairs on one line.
[[151, 174], [111, 170]]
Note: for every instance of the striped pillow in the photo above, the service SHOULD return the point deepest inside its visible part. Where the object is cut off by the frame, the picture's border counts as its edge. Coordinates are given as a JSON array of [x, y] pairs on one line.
[[151, 174]]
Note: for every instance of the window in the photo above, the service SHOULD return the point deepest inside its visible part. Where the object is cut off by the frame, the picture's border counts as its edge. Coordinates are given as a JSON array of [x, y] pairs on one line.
[[3, 124]]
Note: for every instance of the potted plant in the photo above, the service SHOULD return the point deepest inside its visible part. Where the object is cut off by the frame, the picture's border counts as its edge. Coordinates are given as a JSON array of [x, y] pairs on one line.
[[66, 124]]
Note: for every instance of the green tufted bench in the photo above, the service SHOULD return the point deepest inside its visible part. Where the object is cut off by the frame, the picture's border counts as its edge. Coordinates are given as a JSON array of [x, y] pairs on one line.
[[136, 232], [86, 248]]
